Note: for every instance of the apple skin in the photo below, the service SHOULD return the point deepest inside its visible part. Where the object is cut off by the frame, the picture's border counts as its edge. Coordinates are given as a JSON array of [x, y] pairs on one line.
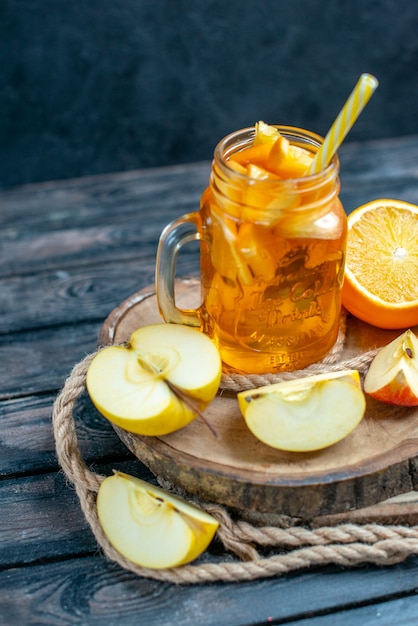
[[393, 374], [132, 385], [150, 527], [305, 414]]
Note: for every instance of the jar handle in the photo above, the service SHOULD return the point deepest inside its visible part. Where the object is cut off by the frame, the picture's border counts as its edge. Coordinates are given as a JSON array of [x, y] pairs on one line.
[[174, 236]]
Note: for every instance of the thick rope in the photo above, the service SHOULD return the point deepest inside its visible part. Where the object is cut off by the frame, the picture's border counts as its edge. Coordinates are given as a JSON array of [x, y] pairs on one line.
[[296, 547]]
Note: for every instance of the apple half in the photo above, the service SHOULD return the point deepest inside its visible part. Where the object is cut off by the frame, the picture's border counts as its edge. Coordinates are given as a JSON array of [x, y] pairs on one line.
[[149, 526], [158, 382], [305, 414], [393, 374]]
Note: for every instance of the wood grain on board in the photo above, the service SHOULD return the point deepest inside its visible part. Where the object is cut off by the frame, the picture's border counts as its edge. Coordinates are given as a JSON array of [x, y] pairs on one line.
[[372, 465]]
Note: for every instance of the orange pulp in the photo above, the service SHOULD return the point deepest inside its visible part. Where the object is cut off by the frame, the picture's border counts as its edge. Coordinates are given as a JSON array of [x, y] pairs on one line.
[[380, 285]]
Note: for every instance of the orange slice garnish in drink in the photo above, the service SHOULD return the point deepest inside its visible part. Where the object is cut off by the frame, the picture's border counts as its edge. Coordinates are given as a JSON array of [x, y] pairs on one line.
[[381, 274], [265, 133], [271, 151], [256, 154], [257, 197], [288, 161]]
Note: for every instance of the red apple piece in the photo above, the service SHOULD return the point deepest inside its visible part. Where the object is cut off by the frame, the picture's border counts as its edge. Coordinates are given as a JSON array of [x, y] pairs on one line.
[[393, 374]]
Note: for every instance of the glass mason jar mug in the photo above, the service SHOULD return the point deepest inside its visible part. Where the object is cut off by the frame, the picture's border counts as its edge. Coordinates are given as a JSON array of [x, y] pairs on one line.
[[272, 255]]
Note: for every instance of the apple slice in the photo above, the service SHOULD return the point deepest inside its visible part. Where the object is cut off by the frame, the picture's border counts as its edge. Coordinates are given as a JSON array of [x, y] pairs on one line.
[[287, 160], [305, 414], [157, 383], [265, 133], [393, 374], [150, 527]]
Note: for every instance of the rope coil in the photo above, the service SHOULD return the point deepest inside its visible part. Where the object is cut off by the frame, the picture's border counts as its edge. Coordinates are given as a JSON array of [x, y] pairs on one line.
[[296, 547]]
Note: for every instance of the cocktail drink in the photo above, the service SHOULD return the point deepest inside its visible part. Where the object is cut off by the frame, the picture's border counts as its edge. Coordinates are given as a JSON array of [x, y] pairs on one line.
[[272, 252]]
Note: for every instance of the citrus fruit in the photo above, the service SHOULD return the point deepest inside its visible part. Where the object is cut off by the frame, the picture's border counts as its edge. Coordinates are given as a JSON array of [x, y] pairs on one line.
[[265, 133], [272, 152], [381, 274]]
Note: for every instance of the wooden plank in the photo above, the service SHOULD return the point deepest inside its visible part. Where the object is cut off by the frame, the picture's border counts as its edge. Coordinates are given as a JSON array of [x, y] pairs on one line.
[[75, 294], [32, 247], [35, 248], [380, 159], [104, 218], [40, 361], [59, 235], [42, 517], [82, 202], [26, 440], [94, 591], [355, 194], [75, 221], [76, 247], [378, 169], [69, 295], [61, 204], [402, 612]]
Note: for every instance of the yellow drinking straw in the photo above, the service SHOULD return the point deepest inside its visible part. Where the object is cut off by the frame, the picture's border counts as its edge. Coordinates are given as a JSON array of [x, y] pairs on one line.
[[356, 102]]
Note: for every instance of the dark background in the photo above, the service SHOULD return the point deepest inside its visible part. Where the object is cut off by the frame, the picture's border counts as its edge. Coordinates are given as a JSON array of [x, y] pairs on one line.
[[95, 86]]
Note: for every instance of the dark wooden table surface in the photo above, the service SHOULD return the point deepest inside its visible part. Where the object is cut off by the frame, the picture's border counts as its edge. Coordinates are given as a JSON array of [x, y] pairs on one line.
[[70, 253]]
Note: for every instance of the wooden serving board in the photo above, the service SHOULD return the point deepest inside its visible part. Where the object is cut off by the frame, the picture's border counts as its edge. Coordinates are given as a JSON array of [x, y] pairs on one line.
[[370, 475]]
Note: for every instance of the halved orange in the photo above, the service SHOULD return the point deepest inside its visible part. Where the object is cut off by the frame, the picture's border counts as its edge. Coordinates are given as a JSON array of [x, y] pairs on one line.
[[381, 274]]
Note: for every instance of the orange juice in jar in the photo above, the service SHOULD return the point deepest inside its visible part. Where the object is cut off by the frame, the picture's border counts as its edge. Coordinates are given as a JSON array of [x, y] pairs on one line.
[[273, 243]]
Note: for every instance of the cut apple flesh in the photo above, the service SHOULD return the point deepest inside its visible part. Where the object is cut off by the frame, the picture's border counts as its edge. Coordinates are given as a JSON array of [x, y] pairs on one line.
[[393, 374], [134, 386], [306, 414], [260, 197], [150, 527], [273, 154]]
